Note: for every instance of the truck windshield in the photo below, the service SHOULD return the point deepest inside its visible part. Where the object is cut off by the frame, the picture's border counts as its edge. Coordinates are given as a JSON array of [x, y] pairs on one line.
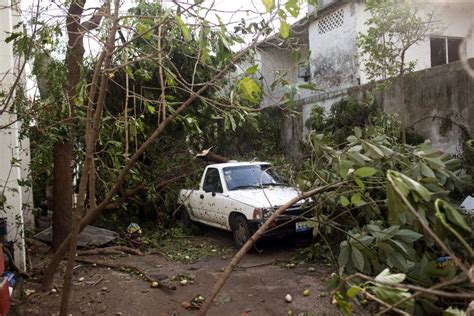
[[251, 176]]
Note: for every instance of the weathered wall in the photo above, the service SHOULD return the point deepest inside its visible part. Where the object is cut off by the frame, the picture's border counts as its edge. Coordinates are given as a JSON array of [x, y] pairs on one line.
[[445, 91], [332, 42]]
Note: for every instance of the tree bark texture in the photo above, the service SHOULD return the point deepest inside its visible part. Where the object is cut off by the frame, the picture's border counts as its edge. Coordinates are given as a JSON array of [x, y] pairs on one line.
[[62, 192]]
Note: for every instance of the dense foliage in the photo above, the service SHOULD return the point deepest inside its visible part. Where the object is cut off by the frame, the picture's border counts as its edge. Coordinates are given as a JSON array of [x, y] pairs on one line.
[[367, 216]]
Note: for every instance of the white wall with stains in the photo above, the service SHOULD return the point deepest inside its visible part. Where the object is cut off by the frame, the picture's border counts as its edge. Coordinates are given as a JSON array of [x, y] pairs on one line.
[[17, 212], [332, 42]]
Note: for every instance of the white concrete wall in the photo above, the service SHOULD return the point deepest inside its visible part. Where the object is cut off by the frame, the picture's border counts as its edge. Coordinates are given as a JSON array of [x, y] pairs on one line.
[[278, 63], [19, 199]]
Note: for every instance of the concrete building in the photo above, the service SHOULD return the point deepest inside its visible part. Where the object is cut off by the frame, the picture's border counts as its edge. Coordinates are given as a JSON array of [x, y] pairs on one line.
[[327, 37], [14, 152], [333, 39]]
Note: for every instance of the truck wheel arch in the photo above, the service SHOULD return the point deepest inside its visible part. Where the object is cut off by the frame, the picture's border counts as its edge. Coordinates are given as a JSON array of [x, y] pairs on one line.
[[232, 216]]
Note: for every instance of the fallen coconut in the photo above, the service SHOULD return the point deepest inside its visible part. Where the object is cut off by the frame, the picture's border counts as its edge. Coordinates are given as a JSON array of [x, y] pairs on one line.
[[288, 298]]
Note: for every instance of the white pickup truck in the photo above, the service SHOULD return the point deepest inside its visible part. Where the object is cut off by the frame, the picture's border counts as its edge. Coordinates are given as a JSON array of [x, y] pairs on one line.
[[239, 197]]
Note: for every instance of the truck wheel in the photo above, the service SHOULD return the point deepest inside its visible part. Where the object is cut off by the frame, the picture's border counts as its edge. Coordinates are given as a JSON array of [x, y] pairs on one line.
[[241, 230], [187, 222]]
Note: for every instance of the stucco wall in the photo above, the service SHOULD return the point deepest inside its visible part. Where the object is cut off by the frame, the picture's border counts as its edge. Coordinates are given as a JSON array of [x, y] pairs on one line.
[[445, 91]]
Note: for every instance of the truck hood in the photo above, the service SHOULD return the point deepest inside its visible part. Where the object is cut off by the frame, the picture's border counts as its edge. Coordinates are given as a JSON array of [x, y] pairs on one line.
[[260, 198]]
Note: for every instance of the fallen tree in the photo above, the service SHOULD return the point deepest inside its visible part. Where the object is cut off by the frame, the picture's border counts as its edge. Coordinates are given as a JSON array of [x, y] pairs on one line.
[[209, 156], [256, 236]]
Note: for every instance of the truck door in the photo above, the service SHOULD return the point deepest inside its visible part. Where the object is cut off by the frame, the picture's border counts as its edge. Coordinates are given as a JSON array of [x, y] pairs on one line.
[[212, 198]]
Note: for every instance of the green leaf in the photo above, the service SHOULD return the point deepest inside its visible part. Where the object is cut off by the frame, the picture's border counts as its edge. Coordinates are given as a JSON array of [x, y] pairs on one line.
[[144, 31], [392, 296], [357, 258], [426, 171], [269, 5], [408, 235], [150, 108], [434, 163], [359, 182], [352, 139], [284, 29], [293, 7], [453, 215], [344, 201], [352, 291], [251, 70], [356, 199], [343, 256], [357, 132], [365, 172], [406, 184], [13, 36], [386, 277], [249, 88], [184, 28], [373, 151]]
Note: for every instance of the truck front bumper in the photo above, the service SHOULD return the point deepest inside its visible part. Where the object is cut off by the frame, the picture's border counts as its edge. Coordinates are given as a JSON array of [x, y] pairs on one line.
[[284, 225]]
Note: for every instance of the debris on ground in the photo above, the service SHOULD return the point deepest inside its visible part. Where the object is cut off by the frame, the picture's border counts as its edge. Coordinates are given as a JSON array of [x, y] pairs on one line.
[[195, 303], [134, 235], [89, 236], [186, 251]]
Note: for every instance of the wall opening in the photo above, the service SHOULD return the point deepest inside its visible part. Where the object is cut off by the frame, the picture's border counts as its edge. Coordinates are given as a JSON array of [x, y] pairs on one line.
[[331, 22]]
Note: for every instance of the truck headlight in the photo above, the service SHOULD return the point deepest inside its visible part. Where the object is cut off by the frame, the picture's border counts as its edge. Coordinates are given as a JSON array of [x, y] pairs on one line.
[[257, 213], [262, 213]]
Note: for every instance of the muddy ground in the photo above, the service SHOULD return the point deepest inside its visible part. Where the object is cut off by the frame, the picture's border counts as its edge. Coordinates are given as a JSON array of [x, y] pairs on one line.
[[257, 287]]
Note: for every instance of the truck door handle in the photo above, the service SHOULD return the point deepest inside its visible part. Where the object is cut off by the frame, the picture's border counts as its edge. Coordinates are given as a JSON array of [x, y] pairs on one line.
[[201, 196]]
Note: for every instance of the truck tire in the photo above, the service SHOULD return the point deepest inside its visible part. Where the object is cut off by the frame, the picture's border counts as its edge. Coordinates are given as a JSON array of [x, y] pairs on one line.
[[241, 230], [187, 222]]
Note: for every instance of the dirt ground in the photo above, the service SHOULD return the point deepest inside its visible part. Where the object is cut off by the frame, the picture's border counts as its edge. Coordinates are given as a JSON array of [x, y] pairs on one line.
[[257, 287]]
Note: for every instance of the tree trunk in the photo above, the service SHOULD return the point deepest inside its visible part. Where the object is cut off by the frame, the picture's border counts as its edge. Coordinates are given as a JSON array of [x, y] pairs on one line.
[[62, 184], [62, 192]]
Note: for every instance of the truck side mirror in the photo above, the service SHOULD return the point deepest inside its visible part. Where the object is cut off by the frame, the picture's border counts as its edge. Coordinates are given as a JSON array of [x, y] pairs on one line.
[[209, 188]]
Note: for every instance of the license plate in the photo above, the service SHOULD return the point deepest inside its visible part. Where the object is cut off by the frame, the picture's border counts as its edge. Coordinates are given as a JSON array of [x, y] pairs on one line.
[[303, 226]]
